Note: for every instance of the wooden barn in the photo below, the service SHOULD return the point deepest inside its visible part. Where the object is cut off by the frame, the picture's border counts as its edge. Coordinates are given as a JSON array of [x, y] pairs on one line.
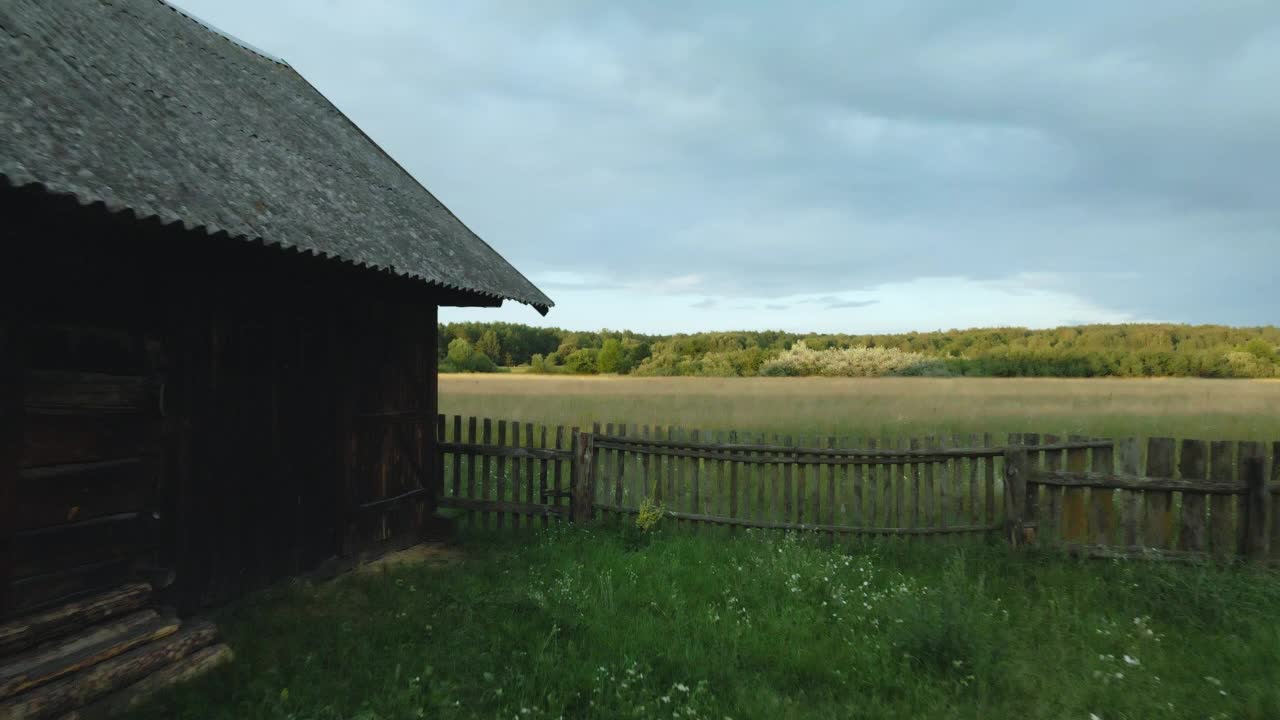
[[217, 348]]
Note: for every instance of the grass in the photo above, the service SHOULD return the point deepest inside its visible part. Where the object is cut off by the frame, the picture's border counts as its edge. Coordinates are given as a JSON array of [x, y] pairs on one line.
[[608, 623], [1182, 408]]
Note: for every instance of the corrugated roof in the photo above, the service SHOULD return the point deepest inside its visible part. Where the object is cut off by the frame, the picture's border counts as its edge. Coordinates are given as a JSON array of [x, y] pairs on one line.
[[135, 105]]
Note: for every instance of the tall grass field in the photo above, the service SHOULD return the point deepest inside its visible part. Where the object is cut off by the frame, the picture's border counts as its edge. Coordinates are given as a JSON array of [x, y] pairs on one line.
[[1175, 407]]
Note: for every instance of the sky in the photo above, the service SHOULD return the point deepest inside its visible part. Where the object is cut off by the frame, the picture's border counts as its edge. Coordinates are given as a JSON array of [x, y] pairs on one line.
[[820, 166]]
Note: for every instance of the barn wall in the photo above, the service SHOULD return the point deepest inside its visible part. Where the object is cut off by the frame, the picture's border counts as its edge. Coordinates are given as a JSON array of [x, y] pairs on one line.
[[179, 402]]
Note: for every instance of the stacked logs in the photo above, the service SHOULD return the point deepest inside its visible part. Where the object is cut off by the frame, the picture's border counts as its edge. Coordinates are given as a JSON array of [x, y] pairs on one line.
[[99, 656]]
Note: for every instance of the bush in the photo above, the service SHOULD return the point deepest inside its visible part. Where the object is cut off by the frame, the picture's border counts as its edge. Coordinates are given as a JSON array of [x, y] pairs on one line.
[[800, 360], [611, 358], [582, 362], [462, 357]]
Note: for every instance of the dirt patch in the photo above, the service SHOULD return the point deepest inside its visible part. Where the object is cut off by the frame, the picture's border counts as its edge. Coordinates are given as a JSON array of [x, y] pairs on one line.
[[433, 554]]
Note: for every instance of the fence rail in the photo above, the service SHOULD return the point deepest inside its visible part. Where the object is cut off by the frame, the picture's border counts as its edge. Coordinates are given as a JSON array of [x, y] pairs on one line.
[[1156, 497]]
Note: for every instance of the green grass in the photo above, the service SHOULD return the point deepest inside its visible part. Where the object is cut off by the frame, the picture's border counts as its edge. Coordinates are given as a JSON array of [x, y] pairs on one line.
[[608, 623]]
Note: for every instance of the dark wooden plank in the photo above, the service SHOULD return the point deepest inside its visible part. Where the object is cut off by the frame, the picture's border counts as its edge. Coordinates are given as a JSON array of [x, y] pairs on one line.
[[788, 489], [511, 507], [1158, 506], [975, 484], [1253, 467], [833, 485], [457, 456], [814, 452], [646, 479], [68, 439], [812, 527], [1017, 471], [1064, 479], [916, 497], [1129, 457], [1193, 464], [501, 476], [517, 472], [119, 672], [557, 469], [902, 515], [874, 481], [31, 630], [74, 653], [1031, 496], [472, 460], [90, 393], [1275, 499], [1050, 519], [1222, 538], [489, 486], [41, 591], [1246, 509], [988, 483], [63, 547], [72, 493], [180, 671], [1075, 522], [12, 421], [1102, 514], [531, 494], [542, 472]]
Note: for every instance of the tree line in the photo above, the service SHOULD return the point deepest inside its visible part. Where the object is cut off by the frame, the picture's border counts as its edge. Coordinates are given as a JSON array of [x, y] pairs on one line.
[[1136, 350]]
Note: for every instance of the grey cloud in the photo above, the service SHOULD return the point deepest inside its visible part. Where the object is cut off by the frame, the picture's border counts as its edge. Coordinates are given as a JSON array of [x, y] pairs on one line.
[[704, 304], [775, 152], [851, 304]]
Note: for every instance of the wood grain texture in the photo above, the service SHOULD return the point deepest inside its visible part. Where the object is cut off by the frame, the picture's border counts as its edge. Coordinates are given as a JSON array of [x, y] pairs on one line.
[[1193, 465], [1158, 504], [1102, 514], [1222, 508]]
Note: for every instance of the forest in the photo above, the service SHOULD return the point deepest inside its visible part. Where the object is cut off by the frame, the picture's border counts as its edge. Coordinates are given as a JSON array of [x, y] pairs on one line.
[[1137, 350]]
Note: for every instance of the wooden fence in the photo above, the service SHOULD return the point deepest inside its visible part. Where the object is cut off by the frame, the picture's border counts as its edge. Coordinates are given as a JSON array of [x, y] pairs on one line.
[[1156, 498]]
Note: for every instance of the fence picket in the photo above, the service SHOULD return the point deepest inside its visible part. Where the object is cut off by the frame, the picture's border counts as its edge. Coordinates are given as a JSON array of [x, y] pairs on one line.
[[1031, 504], [1193, 464], [1050, 496], [989, 486], [1248, 451], [1102, 502], [1130, 458], [1275, 500], [1074, 523], [557, 469], [1158, 505]]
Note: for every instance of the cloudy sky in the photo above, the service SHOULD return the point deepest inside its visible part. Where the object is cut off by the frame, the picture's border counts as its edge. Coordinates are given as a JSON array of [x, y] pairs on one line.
[[827, 166]]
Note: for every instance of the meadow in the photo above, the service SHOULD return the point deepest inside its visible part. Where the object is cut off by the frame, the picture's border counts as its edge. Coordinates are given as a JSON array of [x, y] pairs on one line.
[[603, 622], [1174, 407]]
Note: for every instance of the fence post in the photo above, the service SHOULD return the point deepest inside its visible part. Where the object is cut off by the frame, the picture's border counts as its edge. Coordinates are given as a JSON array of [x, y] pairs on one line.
[[1017, 466], [1256, 500], [580, 507]]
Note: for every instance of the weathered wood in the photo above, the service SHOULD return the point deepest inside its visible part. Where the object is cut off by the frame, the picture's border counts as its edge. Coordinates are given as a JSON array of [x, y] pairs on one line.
[[1250, 511], [1133, 552], [68, 493], [457, 454], [918, 516], [82, 393], [783, 448], [834, 486], [504, 506], [71, 439], [517, 471], [794, 456], [490, 487], [1254, 470], [1031, 493], [542, 472], [1017, 469], [989, 482], [1222, 537], [128, 698], [1275, 500], [76, 652], [787, 487], [932, 509], [1062, 478], [31, 630], [61, 547], [583, 490], [48, 589], [500, 475], [1158, 505], [1050, 519], [975, 508], [1130, 461], [734, 490], [12, 430], [116, 673], [1075, 523], [470, 454], [813, 527], [695, 483], [1102, 514], [383, 503], [1193, 465]]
